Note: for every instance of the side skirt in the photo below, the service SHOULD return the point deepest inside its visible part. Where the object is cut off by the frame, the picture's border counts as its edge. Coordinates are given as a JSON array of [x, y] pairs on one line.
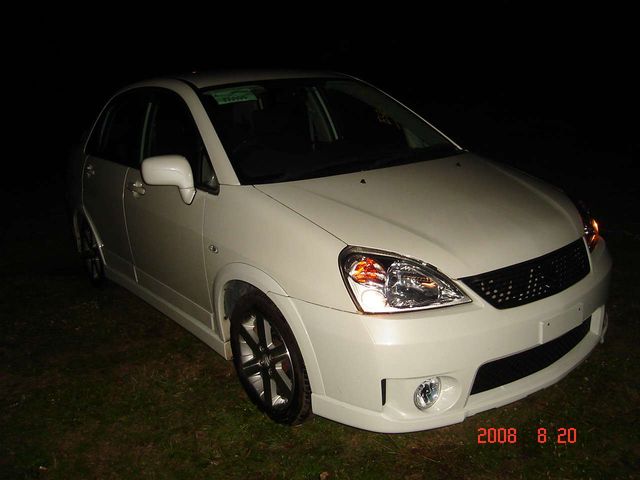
[[183, 319]]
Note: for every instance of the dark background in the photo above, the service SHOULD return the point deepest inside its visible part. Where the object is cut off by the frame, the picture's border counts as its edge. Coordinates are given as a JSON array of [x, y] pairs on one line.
[[551, 92]]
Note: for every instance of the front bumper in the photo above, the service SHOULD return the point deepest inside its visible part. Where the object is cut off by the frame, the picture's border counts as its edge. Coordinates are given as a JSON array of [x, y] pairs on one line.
[[355, 355]]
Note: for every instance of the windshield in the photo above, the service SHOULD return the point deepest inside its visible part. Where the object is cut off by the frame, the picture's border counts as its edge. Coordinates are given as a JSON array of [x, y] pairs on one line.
[[284, 130]]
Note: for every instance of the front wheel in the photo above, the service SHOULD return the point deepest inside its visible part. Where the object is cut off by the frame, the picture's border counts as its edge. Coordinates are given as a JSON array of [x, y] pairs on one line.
[[268, 361]]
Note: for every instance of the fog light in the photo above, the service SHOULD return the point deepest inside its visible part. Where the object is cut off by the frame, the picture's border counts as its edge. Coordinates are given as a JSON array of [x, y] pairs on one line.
[[427, 393]]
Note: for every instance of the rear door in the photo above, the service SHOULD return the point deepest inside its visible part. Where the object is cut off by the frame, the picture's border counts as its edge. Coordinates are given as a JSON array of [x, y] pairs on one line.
[[165, 233], [114, 146]]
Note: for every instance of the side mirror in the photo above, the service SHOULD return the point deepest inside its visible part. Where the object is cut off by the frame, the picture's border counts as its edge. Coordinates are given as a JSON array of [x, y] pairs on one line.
[[171, 170]]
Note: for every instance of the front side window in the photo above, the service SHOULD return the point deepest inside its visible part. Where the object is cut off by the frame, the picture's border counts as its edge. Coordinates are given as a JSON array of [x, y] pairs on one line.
[[284, 130], [118, 133]]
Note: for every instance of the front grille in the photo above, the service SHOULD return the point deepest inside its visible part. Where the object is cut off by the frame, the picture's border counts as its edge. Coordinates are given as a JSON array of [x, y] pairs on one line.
[[534, 279], [509, 369]]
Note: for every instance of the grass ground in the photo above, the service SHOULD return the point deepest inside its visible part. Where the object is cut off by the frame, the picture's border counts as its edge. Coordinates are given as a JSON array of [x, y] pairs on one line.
[[97, 384]]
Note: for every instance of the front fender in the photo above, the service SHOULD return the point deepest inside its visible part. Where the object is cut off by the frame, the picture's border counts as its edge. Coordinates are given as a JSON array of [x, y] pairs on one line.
[[244, 273], [272, 289]]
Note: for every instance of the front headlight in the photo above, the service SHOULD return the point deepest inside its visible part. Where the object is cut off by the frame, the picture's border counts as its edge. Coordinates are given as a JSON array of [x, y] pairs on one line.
[[381, 282], [591, 228]]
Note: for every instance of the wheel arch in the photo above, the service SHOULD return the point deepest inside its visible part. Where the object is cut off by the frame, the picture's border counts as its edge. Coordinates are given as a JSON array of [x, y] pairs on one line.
[[234, 281]]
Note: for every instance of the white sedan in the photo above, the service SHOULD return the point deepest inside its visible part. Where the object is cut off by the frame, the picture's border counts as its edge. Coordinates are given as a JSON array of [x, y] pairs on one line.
[[351, 259]]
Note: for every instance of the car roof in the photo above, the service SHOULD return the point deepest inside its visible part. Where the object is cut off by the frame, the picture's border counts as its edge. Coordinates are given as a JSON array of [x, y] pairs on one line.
[[223, 77]]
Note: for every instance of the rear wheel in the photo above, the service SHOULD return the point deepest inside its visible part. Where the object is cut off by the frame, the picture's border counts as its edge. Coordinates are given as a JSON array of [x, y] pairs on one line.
[[268, 361], [90, 252]]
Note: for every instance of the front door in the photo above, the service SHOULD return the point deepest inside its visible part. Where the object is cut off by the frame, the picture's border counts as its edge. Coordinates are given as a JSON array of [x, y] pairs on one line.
[[165, 233]]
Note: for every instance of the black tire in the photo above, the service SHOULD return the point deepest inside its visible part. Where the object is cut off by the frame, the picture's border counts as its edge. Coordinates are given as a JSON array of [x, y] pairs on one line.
[[90, 252], [265, 353]]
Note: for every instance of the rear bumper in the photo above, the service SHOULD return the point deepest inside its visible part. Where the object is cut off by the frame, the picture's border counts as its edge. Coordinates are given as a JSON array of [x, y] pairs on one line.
[[353, 353]]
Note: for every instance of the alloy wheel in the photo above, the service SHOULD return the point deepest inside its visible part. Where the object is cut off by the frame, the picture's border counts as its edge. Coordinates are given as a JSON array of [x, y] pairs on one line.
[[266, 362]]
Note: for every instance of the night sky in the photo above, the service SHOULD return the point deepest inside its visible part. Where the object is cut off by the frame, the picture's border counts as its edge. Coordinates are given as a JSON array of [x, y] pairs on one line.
[[552, 92], [487, 81]]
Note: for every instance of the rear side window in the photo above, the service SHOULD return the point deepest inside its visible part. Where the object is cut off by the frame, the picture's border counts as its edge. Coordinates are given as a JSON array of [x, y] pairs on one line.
[[118, 133]]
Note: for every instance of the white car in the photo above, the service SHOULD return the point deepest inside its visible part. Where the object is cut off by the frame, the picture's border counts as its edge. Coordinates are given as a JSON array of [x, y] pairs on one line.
[[350, 258]]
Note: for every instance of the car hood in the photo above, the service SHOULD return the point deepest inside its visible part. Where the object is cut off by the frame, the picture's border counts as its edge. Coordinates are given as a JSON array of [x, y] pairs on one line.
[[463, 214]]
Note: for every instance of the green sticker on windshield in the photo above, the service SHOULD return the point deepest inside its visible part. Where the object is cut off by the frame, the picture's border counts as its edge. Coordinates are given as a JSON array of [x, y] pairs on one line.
[[233, 95]]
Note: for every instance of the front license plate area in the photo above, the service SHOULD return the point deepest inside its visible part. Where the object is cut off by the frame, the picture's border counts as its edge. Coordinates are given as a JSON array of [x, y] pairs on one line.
[[560, 324]]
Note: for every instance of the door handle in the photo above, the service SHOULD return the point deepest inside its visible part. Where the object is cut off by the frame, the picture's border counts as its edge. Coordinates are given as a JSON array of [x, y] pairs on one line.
[[89, 170], [136, 187]]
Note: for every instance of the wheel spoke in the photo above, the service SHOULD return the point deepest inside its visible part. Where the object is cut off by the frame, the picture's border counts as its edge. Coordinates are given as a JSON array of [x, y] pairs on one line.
[[250, 341], [251, 367], [279, 354], [88, 239], [283, 383], [95, 268], [266, 385], [268, 340], [260, 324]]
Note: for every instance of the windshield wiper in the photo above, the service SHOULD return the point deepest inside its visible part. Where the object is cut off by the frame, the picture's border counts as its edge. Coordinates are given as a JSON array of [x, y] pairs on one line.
[[333, 168], [422, 154], [370, 161]]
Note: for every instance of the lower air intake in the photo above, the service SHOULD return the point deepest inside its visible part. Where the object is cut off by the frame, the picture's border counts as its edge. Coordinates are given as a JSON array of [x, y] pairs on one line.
[[509, 369]]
